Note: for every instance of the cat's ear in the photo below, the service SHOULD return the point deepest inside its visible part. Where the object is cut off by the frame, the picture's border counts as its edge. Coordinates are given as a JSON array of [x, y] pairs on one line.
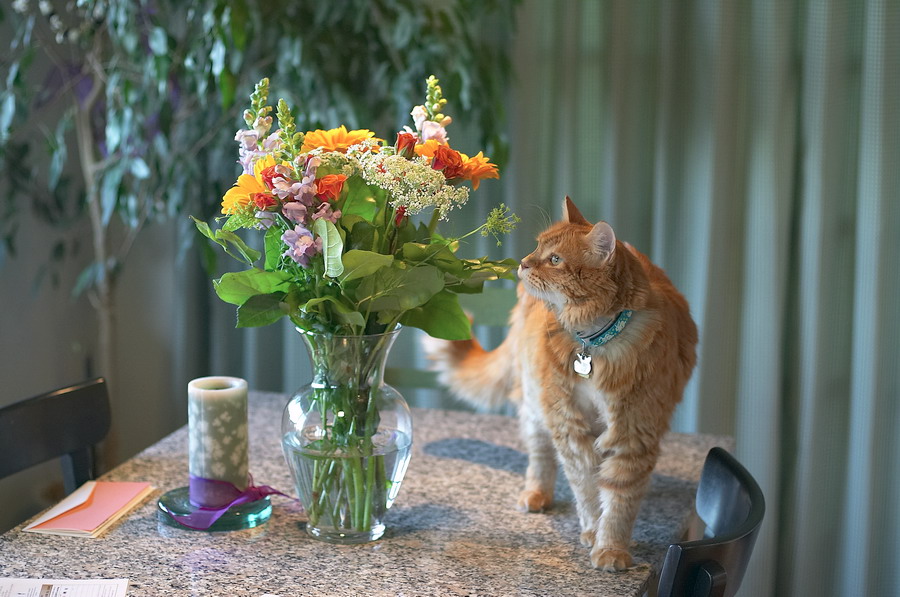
[[602, 240], [571, 213]]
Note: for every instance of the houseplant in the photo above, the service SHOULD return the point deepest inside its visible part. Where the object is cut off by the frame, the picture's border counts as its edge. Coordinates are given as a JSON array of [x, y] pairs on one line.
[[348, 258]]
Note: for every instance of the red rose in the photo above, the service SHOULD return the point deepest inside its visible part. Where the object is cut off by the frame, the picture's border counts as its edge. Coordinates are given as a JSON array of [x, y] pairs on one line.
[[263, 201], [406, 144], [267, 175], [448, 161], [329, 187]]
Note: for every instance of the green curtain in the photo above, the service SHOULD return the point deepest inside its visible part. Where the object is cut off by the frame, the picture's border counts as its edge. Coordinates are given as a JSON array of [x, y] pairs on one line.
[[753, 151]]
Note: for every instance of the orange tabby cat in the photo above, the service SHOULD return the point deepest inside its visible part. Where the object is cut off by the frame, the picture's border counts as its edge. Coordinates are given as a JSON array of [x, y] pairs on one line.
[[601, 403]]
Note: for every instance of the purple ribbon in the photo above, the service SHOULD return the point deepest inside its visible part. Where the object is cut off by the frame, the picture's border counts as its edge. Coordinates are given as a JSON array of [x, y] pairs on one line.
[[219, 496]]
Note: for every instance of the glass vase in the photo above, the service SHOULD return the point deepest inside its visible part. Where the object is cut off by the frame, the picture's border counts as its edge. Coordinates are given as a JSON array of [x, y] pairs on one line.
[[347, 438]]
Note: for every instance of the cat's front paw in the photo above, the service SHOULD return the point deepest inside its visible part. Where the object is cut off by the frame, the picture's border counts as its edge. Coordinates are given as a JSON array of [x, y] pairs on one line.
[[610, 559], [534, 500]]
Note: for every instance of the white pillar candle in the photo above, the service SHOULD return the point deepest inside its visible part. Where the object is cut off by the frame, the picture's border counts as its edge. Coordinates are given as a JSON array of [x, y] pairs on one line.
[[217, 431]]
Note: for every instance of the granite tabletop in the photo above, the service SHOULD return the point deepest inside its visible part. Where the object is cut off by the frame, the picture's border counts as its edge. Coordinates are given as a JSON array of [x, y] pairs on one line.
[[454, 529]]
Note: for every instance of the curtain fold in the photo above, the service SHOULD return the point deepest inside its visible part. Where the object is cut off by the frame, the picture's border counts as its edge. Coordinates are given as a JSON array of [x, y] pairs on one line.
[[871, 525]]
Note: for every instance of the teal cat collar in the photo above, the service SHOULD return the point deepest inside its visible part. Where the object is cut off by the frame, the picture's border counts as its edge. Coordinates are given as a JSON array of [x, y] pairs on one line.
[[607, 333], [582, 364]]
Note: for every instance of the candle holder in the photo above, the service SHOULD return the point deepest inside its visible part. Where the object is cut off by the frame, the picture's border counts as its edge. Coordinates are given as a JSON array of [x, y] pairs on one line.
[[219, 495]]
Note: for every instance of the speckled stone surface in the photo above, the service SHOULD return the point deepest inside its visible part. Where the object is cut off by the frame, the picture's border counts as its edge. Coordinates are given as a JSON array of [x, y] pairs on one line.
[[453, 530]]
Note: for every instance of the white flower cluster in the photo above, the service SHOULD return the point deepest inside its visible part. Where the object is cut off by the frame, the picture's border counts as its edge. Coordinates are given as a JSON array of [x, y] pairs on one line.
[[412, 184], [333, 160]]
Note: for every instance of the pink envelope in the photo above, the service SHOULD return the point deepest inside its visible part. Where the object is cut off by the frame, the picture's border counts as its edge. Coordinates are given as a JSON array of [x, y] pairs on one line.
[[91, 508]]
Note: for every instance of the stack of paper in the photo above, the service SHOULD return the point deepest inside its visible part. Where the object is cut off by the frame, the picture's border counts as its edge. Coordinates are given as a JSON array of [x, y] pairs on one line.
[[91, 508], [34, 587]]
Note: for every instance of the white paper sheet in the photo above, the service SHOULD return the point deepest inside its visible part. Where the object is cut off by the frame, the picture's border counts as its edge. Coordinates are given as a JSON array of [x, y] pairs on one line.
[[33, 587]]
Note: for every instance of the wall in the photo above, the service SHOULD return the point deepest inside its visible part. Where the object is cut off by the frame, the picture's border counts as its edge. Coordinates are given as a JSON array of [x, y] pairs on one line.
[[46, 338]]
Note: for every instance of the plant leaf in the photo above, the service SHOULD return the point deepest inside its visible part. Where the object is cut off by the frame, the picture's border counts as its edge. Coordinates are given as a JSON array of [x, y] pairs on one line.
[[363, 200], [438, 255], [244, 253], [109, 191], [359, 264], [274, 248], [237, 287], [7, 111], [400, 289], [260, 310], [331, 309], [332, 246], [440, 317]]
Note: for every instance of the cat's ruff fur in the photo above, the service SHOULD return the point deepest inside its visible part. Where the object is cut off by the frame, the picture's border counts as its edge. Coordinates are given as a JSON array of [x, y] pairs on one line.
[[605, 430]]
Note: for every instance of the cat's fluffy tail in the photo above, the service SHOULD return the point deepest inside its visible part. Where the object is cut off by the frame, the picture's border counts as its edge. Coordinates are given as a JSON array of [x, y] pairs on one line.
[[482, 378]]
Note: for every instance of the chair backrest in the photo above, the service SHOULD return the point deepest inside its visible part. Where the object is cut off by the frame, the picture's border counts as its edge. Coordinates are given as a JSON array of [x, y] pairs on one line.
[[489, 308], [66, 423], [731, 504]]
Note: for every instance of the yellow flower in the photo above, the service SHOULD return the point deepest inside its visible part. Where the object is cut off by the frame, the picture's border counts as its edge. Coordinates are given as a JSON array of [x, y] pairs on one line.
[[338, 139], [239, 198]]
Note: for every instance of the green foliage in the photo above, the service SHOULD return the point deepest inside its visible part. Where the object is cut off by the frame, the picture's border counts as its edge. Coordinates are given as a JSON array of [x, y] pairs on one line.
[[135, 109]]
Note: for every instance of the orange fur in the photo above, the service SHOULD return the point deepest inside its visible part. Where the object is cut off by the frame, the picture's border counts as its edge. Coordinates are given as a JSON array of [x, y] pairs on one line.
[[605, 430]]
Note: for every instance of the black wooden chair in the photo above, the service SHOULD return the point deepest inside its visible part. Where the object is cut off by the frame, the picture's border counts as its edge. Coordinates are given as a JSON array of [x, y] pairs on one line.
[[712, 563], [66, 423]]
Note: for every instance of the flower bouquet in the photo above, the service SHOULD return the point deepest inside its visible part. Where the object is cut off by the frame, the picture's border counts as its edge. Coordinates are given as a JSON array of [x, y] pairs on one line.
[[350, 254]]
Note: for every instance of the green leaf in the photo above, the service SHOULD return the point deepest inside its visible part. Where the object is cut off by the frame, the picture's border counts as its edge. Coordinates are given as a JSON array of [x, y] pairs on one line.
[[359, 264], [227, 87], [438, 255], [244, 253], [59, 150], [87, 278], [363, 200], [332, 246], [7, 112], [217, 57], [440, 317], [240, 17], [237, 287], [399, 288], [139, 168], [109, 191], [158, 41], [274, 248], [331, 309], [205, 230], [260, 310], [363, 235], [478, 271]]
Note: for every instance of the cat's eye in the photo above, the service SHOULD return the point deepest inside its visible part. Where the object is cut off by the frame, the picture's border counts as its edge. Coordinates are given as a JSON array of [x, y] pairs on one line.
[[555, 259]]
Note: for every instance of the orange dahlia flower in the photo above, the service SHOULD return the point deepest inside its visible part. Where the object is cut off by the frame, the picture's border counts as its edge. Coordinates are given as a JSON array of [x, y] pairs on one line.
[[477, 168]]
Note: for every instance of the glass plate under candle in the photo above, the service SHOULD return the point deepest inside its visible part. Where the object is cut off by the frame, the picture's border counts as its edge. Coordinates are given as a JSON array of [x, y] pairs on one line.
[[243, 516]]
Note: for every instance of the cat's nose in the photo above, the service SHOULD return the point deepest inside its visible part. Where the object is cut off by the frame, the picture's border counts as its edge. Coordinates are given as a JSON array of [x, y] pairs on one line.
[[524, 264]]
